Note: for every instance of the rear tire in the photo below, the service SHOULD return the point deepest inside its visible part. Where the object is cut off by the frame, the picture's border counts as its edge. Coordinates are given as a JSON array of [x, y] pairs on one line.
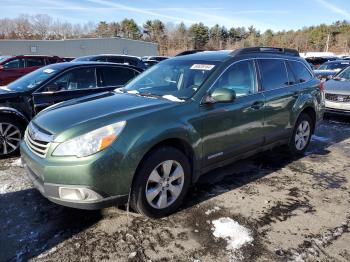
[[301, 135], [11, 134], [161, 182]]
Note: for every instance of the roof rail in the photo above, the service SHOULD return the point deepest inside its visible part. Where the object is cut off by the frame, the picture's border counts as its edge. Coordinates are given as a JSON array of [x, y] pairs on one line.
[[275, 50]]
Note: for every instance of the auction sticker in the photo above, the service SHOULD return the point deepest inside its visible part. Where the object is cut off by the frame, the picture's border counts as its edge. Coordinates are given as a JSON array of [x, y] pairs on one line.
[[202, 67], [48, 71]]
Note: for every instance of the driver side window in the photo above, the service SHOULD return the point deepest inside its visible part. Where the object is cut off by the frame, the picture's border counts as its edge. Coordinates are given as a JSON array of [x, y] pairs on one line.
[[239, 77], [82, 78]]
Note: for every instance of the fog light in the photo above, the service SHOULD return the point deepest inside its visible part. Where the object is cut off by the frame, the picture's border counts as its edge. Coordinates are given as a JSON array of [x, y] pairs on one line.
[[78, 194]]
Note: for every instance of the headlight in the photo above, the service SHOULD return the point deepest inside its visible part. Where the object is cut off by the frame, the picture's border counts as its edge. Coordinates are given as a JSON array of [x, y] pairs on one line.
[[90, 143]]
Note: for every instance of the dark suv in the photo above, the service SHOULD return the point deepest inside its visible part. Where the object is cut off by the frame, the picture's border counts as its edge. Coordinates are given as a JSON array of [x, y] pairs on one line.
[[13, 67], [148, 142], [25, 97], [119, 59]]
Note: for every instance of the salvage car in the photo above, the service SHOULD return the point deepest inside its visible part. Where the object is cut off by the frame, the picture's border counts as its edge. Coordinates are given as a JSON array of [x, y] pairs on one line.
[[22, 99], [337, 93], [146, 143], [13, 67], [329, 69]]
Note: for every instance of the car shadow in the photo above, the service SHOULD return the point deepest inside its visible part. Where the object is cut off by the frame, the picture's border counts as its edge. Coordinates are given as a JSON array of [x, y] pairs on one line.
[[31, 225]]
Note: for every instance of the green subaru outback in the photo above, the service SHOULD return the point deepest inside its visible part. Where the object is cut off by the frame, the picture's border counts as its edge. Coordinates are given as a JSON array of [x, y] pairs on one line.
[[146, 143]]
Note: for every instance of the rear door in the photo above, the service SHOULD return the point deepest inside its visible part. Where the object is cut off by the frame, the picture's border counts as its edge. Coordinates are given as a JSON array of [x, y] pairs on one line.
[[12, 70], [281, 93], [114, 76]]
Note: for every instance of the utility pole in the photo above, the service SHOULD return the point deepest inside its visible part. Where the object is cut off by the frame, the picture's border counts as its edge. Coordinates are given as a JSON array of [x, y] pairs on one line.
[[327, 43]]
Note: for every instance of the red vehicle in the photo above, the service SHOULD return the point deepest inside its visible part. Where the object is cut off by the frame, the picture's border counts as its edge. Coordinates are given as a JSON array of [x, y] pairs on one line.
[[13, 67]]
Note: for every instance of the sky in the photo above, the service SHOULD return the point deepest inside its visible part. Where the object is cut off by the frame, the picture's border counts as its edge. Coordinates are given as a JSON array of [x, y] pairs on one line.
[[264, 14]]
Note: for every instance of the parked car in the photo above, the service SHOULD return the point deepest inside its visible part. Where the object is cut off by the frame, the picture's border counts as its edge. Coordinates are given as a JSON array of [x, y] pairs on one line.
[[150, 63], [148, 142], [119, 59], [154, 58], [13, 67], [189, 52], [337, 93], [68, 59], [318, 61], [21, 100], [329, 69]]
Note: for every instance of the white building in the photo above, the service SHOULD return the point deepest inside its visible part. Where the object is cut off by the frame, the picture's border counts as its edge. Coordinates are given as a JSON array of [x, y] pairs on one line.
[[78, 47]]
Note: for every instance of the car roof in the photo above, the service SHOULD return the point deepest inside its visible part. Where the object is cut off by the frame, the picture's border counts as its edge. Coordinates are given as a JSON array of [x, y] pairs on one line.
[[111, 55], [206, 55], [65, 65], [223, 55]]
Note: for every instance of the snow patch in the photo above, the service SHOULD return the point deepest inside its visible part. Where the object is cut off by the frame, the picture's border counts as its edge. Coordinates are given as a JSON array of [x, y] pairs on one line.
[[17, 163], [208, 212], [235, 234], [3, 188], [173, 98]]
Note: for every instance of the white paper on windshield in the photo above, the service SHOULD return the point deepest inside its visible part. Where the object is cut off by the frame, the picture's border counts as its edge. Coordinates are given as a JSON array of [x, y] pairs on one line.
[[48, 71], [202, 67]]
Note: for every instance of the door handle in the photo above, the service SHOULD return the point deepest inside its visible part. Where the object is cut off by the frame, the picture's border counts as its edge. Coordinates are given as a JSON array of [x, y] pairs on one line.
[[257, 105]]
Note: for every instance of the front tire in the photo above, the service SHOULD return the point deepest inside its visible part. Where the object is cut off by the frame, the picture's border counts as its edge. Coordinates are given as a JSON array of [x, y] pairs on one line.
[[11, 133], [301, 135], [161, 182]]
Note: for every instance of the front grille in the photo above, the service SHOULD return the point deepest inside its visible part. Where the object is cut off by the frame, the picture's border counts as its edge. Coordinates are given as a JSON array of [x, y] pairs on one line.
[[338, 98], [37, 140]]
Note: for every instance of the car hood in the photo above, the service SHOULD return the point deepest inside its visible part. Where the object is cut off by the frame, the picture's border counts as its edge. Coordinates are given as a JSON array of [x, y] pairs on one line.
[[7, 93], [78, 116], [337, 87]]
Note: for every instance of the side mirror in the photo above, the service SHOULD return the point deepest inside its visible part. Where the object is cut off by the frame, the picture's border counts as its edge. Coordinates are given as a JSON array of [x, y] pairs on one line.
[[220, 95]]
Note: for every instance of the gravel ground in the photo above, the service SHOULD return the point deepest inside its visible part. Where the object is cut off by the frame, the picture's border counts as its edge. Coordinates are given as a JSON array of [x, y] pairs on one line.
[[275, 208]]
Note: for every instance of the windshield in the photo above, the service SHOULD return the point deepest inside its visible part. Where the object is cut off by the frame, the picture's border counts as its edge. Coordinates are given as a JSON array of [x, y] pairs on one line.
[[32, 79], [344, 75], [3, 58], [172, 79], [334, 66]]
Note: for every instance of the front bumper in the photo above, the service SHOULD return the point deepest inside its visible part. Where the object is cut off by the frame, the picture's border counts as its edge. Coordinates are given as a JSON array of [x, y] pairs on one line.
[[339, 108], [51, 192]]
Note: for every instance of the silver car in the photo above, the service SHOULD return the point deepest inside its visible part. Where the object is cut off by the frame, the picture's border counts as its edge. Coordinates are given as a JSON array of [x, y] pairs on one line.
[[337, 93]]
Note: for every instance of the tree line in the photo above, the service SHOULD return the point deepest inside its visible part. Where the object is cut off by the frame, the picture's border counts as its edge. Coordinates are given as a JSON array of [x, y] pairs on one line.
[[173, 38]]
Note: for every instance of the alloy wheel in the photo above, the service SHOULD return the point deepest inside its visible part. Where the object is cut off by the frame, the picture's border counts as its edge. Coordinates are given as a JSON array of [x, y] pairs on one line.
[[165, 184], [302, 135], [10, 137]]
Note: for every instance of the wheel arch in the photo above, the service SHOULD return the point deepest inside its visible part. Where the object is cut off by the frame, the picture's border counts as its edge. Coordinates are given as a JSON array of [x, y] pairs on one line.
[[8, 111]]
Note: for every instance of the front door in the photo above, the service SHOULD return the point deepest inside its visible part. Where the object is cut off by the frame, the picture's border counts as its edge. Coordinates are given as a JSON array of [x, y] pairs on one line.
[[230, 129]]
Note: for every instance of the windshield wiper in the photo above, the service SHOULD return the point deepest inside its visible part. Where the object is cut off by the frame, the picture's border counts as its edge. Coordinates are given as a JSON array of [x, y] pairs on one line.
[[149, 95]]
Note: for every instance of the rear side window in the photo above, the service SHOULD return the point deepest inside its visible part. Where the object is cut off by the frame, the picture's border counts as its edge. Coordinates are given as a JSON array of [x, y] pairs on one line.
[[31, 62], [15, 63], [116, 76], [301, 73], [273, 74]]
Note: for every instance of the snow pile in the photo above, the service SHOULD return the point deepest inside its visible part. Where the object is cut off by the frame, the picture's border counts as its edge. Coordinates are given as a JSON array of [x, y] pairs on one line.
[[208, 212], [173, 98], [235, 234], [17, 163], [4, 188]]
